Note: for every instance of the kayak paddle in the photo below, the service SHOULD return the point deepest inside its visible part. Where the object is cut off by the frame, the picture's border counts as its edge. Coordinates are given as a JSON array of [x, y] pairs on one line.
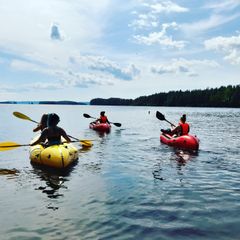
[[161, 117], [85, 143], [5, 146], [116, 124], [23, 116]]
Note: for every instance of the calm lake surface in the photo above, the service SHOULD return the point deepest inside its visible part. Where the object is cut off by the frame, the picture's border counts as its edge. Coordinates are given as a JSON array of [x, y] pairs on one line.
[[128, 185]]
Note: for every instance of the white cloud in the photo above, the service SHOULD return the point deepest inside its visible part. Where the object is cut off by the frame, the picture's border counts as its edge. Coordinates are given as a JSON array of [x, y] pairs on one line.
[[161, 38], [224, 5], [27, 66], [230, 46], [188, 67], [26, 27], [84, 80], [204, 25], [144, 21], [80, 71], [167, 7], [104, 65], [149, 18], [45, 86]]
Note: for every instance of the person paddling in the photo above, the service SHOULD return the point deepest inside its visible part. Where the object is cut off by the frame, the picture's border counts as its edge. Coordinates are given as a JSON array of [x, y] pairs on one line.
[[102, 118], [183, 128], [42, 124], [52, 132]]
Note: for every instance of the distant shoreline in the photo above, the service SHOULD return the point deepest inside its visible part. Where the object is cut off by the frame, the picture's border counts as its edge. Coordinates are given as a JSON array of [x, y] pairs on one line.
[[214, 97], [46, 102]]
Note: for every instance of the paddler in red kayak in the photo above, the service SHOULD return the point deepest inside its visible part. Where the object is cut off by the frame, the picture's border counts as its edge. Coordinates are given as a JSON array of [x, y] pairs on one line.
[[183, 128], [102, 118]]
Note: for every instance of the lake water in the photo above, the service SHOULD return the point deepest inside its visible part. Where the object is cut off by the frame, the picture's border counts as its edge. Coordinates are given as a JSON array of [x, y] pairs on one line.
[[128, 185]]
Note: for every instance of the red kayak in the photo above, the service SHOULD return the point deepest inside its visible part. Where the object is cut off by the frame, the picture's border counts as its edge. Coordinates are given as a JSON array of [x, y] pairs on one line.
[[186, 142], [101, 127]]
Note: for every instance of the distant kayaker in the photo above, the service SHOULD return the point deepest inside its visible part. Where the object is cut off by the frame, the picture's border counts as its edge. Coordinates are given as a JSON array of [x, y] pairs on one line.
[[52, 132], [102, 118], [42, 124], [183, 127]]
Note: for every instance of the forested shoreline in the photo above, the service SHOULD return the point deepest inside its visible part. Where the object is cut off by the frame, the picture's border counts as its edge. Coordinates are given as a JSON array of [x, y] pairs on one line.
[[211, 97]]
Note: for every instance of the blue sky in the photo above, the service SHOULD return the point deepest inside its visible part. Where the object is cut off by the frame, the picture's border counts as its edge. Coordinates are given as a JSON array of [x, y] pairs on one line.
[[79, 50]]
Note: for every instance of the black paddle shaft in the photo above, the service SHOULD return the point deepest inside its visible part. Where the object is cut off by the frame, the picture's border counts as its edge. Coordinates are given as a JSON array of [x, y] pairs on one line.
[[161, 117], [88, 116]]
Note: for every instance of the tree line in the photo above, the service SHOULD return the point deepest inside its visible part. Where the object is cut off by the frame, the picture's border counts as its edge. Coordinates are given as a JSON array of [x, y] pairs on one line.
[[211, 97]]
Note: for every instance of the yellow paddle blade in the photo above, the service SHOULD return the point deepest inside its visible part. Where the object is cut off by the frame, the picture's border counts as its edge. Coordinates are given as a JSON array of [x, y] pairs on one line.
[[21, 115], [86, 143], [5, 146]]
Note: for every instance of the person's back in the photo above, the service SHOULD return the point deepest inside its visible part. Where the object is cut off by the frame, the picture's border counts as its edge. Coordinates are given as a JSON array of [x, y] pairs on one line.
[[103, 118], [184, 127], [52, 133]]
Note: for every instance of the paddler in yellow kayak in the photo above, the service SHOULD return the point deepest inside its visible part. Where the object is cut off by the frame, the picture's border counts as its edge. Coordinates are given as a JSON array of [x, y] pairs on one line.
[[42, 124], [52, 133]]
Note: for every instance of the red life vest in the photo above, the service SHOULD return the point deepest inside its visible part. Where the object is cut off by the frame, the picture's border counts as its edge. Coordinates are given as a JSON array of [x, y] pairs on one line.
[[184, 128], [103, 119]]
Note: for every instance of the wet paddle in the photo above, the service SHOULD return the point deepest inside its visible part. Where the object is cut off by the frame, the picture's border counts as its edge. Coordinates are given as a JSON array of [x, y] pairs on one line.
[[5, 146], [85, 143], [23, 116], [116, 124], [161, 117]]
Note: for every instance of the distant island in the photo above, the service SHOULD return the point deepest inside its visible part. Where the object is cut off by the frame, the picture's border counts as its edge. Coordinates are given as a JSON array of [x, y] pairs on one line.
[[215, 97], [46, 102]]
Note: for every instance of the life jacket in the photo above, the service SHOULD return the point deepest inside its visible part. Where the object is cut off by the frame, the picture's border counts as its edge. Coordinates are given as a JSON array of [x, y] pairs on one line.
[[184, 128], [103, 119]]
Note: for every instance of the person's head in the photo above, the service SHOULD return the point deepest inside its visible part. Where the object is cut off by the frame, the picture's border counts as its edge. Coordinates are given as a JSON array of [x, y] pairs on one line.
[[102, 113], [44, 120], [53, 119], [183, 118]]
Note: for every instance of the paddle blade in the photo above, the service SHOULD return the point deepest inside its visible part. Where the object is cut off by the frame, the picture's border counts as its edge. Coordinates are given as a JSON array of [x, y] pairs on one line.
[[5, 146], [86, 143], [160, 116], [21, 115], [86, 115], [117, 124]]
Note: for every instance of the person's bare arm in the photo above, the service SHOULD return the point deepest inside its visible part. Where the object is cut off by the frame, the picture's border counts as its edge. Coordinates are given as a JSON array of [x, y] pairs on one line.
[[42, 138], [63, 134]]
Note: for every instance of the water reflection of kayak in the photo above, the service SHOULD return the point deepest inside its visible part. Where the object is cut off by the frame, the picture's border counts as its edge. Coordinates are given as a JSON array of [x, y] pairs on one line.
[[57, 156], [187, 142], [101, 127]]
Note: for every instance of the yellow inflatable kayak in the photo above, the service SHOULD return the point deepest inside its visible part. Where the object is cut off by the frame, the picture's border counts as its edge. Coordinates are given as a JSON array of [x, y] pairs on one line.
[[57, 156]]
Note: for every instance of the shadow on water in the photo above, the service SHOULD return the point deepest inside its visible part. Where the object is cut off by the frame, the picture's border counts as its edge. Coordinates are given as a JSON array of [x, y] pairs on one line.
[[181, 157], [102, 134], [10, 172], [53, 180]]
